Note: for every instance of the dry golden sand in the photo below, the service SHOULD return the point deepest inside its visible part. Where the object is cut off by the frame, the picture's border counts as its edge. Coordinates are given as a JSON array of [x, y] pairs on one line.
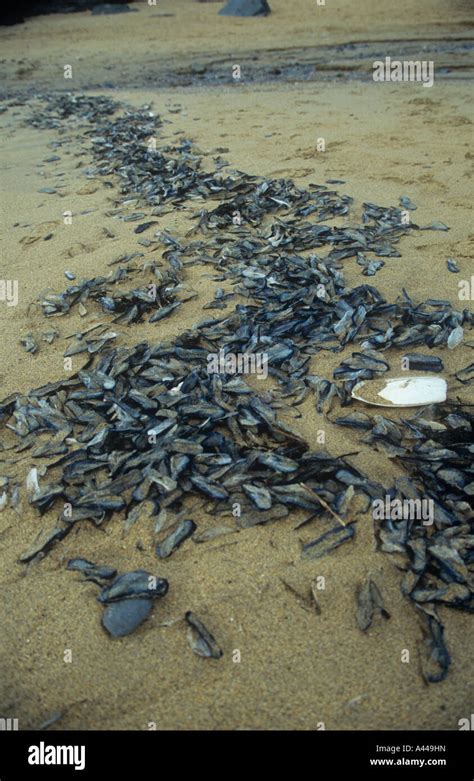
[[186, 33], [297, 668]]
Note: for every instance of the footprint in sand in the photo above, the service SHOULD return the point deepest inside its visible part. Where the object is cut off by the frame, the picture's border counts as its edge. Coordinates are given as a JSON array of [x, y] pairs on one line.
[[88, 189], [79, 249], [40, 232]]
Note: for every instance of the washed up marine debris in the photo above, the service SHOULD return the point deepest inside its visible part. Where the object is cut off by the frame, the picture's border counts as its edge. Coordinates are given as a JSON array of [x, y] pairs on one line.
[[429, 530], [402, 391], [127, 598], [140, 430], [369, 603]]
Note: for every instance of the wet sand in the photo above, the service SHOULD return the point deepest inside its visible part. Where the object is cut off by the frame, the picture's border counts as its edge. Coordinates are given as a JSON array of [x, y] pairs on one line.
[[298, 669], [182, 42]]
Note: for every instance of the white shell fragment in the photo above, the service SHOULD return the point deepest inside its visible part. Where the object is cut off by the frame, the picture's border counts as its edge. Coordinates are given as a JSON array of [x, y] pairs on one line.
[[455, 337], [402, 391], [32, 485]]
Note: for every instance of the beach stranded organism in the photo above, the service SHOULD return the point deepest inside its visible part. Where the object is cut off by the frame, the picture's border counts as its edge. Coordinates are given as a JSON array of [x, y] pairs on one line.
[[402, 391], [455, 337], [157, 431], [128, 601], [369, 604], [200, 639], [420, 362]]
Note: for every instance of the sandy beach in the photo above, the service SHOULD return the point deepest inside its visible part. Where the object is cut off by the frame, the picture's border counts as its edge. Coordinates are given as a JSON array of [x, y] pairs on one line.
[[297, 668]]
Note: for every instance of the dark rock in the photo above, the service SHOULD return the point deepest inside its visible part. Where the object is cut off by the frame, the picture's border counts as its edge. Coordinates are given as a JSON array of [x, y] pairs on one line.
[[122, 618], [245, 8]]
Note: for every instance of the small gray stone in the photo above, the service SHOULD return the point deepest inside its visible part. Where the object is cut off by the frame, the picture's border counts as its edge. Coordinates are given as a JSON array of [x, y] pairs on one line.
[[122, 618]]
